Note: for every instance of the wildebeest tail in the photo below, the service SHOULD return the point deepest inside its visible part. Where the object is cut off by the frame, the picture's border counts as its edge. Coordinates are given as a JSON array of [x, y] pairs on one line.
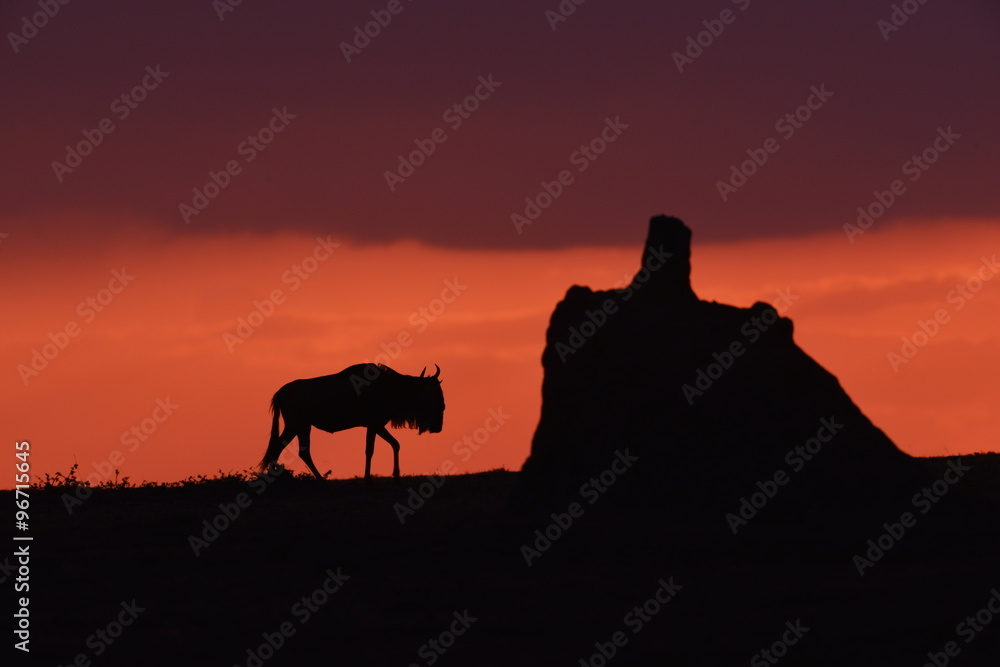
[[274, 444]]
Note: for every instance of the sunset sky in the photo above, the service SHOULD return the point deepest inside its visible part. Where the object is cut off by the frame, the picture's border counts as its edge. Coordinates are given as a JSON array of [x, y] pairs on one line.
[[182, 163]]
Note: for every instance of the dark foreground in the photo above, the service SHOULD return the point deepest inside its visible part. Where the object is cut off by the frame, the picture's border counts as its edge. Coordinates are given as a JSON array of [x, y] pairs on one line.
[[327, 574]]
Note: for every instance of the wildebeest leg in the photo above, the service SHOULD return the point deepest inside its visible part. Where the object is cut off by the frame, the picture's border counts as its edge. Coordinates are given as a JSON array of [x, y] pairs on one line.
[[369, 452], [385, 435], [304, 452], [275, 447]]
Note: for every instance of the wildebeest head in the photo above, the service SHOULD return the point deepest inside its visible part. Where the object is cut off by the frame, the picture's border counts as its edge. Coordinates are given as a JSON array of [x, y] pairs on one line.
[[429, 403]]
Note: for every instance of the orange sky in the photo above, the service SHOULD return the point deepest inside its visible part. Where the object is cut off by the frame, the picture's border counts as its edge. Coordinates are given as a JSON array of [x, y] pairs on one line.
[[162, 337]]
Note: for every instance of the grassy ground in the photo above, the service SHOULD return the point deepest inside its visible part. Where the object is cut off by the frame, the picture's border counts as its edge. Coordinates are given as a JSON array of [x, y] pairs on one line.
[[446, 582]]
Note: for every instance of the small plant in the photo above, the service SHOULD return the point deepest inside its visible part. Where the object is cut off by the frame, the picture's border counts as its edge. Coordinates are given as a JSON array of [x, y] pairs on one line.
[[62, 481], [115, 484]]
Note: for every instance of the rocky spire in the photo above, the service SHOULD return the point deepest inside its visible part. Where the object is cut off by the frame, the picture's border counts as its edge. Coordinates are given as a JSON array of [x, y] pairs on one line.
[[709, 397], [666, 260]]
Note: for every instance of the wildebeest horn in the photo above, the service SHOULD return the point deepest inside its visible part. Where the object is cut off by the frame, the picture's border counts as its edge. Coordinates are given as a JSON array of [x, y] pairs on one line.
[[438, 371], [423, 371]]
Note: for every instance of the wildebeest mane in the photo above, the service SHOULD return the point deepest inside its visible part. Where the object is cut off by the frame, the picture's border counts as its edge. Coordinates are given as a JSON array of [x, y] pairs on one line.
[[397, 391]]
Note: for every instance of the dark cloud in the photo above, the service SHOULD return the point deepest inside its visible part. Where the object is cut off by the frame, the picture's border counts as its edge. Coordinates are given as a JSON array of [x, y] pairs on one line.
[[325, 170]]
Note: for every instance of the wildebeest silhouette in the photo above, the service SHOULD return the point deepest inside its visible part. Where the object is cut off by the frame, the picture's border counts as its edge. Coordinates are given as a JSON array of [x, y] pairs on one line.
[[369, 395]]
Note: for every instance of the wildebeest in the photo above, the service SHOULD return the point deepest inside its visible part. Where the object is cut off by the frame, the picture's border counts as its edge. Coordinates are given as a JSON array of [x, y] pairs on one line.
[[369, 395]]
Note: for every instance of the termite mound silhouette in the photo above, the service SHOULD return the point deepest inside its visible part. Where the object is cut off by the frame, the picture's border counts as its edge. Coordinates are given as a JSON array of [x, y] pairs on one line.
[[707, 403]]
